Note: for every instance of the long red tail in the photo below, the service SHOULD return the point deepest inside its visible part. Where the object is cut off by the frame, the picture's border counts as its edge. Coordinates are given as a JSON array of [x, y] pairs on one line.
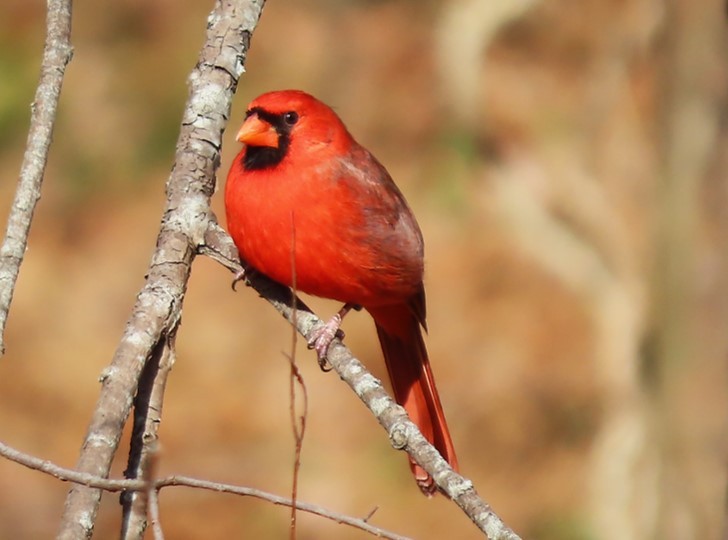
[[400, 336]]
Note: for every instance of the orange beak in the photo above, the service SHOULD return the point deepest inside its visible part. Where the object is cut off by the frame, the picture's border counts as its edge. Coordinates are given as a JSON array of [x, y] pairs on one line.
[[257, 132]]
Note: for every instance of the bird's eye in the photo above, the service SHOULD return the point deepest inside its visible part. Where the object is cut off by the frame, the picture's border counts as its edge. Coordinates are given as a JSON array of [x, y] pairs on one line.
[[290, 118]]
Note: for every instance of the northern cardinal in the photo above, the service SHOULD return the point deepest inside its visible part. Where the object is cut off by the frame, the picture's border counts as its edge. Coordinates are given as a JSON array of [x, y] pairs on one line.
[[302, 182]]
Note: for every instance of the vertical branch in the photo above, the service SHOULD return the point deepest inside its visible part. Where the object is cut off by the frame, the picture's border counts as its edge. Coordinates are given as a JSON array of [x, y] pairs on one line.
[[295, 377], [147, 417], [56, 56], [186, 217], [154, 513], [298, 430]]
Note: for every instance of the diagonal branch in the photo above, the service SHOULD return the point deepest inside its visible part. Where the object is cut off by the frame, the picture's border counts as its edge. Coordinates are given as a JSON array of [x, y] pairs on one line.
[[403, 433], [56, 56], [159, 303]]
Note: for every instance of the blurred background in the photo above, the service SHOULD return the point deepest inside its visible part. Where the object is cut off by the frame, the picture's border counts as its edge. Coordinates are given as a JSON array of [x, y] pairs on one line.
[[566, 161]]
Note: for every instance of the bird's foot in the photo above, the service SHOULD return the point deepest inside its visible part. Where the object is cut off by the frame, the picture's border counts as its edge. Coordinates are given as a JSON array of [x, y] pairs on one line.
[[321, 339]]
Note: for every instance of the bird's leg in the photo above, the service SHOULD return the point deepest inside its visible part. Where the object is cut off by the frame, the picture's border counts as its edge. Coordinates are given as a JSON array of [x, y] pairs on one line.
[[322, 338]]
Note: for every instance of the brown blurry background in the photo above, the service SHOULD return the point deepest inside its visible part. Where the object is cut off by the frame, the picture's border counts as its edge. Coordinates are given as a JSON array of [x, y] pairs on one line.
[[566, 162]]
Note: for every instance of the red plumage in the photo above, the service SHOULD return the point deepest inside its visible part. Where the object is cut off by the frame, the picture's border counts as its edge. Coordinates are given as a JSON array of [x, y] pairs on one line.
[[356, 239]]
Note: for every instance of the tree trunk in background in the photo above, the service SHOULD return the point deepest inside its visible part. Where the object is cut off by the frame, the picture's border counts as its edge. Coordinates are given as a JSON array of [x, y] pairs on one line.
[[692, 103]]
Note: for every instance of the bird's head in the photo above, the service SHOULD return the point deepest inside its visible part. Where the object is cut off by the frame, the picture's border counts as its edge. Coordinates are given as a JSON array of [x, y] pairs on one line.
[[281, 123]]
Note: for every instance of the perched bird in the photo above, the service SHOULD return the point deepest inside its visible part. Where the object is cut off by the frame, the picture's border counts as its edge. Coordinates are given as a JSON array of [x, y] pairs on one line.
[[303, 194]]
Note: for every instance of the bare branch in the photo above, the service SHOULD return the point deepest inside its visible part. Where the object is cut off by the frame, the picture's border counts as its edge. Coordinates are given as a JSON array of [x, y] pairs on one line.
[[106, 484], [295, 377], [67, 475], [144, 439], [56, 56], [275, 499], [403, 433], [297, 426], [153, 497], [159, 303]]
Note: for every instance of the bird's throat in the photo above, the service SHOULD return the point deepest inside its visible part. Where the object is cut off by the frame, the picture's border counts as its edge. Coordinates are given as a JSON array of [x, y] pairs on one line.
[[257, 158]]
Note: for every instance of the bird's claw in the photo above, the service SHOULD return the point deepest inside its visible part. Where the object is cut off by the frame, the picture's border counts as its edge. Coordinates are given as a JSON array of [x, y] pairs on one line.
[[324, 364], [240, 276]]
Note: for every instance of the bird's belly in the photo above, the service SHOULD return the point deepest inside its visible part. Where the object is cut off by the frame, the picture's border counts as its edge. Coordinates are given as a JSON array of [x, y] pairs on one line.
[[326, 263]]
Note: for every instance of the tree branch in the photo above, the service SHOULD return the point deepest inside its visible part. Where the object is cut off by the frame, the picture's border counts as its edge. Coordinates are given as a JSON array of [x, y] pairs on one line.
[[144, 438], [56, 56], [113, 485], [159, 303], [403, 433]]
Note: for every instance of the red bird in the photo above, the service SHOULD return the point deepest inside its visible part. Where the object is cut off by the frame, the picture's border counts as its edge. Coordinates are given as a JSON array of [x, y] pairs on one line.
[[302, 181]]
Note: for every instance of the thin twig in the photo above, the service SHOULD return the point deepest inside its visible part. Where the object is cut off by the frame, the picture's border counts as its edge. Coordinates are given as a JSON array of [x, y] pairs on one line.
[[152, 491], [403, 433], [153, 497], [113, 485], [56, 56], [158, 307], [371, 513], [298, 432], [275, 499], [295, 377]]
